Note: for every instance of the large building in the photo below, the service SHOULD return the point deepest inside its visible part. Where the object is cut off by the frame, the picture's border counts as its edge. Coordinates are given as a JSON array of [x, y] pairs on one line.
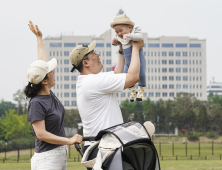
[[214, 87], [173, 65]]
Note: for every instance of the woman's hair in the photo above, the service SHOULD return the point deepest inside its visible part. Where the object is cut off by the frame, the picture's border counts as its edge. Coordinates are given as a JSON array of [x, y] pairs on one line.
[[31, 89]]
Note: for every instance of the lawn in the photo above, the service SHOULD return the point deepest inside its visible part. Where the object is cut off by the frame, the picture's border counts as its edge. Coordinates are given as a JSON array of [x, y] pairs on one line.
[[165, 165]]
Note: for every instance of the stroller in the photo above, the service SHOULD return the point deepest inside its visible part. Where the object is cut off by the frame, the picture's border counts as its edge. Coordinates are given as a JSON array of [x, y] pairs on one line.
[[126, 146]]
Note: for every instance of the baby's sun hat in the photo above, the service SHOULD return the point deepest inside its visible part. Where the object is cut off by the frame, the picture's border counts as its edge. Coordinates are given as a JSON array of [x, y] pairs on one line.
[[122, 19]]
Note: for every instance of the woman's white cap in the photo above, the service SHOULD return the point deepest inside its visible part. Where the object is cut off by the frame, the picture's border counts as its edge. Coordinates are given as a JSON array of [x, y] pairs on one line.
[[38, 70]]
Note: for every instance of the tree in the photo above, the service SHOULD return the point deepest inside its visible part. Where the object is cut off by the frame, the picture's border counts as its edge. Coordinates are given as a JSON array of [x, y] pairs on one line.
[[5, 106], [14, 126], [217, 118], [125, 114], [20, 97], [202, 118]]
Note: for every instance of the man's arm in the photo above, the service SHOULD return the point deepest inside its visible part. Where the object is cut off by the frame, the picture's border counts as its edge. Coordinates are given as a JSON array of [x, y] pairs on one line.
[[120, 63], [41, 49], [132, 77]]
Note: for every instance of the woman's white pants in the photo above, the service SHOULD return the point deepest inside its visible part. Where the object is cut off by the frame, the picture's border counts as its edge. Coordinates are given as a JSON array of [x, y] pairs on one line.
[[55, 159]]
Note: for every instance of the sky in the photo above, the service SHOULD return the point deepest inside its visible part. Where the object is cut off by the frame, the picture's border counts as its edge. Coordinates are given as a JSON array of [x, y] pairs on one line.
[[18, 48]]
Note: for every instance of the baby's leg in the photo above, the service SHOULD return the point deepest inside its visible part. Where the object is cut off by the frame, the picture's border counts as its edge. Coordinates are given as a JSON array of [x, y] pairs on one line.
[[142, 77]]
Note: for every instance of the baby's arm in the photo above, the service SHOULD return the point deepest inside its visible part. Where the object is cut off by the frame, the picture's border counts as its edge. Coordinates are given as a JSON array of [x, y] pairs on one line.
[[136, 35]]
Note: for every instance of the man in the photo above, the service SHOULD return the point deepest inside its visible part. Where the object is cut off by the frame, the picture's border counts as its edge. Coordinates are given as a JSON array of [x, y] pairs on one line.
[[96, 92]]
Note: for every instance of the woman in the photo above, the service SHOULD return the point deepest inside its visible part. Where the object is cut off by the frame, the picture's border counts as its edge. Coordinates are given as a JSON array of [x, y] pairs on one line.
[[46, 113]]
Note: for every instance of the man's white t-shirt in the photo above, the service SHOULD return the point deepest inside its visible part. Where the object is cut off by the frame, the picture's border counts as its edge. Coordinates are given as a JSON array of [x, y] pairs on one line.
[[97, 102]]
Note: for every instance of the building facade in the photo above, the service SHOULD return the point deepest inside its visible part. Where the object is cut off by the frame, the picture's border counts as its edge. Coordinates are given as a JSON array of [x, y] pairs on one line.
[[173, 65]]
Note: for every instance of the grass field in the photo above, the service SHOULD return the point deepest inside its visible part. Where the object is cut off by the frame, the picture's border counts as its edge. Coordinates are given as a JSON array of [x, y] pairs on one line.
[[165, 165]]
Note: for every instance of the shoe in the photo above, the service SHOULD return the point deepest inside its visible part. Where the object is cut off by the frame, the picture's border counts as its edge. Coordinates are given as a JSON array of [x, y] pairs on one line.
[[133, 92], [139, 96]]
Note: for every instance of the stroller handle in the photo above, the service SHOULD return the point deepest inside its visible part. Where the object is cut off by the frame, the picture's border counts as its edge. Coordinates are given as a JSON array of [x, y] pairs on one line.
[[78, 148]]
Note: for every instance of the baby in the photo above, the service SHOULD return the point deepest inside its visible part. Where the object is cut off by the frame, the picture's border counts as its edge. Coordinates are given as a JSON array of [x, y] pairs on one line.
[[126, 31]]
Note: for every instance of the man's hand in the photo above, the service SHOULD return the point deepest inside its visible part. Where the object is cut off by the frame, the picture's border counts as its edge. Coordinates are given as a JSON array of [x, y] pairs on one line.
[[75, 139], [114, 41], [137, 44], [35, 29]]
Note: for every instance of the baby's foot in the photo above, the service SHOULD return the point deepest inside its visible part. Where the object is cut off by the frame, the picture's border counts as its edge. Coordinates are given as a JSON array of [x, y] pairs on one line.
[[133, 93], [139, 96]]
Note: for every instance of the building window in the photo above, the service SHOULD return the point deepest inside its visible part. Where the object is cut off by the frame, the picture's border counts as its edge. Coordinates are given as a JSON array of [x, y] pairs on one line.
[[117, 95], [177, 61], [181, 45], [171, 86], [66, 69], [178, 70], [200, 54], [178, 86], [69, 44], [184, 53], [200, 62], [66, 53], [66, 61], [73, 103], [164, 86], [73, 77], [177, 53], [164, 53], [144, 53], [185, 70], [53, 53], [66, 94], [151, 53], [150, 94], [171, 78], [99, 45], [164, 70], [170, 61], [185, 86], [164, 94], [185, 78], [200, 78], [108, 44], [196, 53], [50, 53], [184, 61], [108, 61], [73, 94], [83, 43], [123, 94], [196, 70], [157, 94], [171, 53], [66, 78], [66, 86], [171, 94], [108, 69], [178, 78], [154, 45], [66, 103], [195, 45], [164, 61], [171, 70], [108, 53], [60, 53], [164, 78], [151, 61], [167, 45], [55, 44], [73, 86]]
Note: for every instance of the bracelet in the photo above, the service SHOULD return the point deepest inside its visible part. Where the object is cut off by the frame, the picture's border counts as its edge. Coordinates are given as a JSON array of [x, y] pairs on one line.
[[120, 52]]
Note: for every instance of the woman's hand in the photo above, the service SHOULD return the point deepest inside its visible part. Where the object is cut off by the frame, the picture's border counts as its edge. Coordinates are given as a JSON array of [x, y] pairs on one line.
[[75, 139], [35, 29], [137, 44]]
